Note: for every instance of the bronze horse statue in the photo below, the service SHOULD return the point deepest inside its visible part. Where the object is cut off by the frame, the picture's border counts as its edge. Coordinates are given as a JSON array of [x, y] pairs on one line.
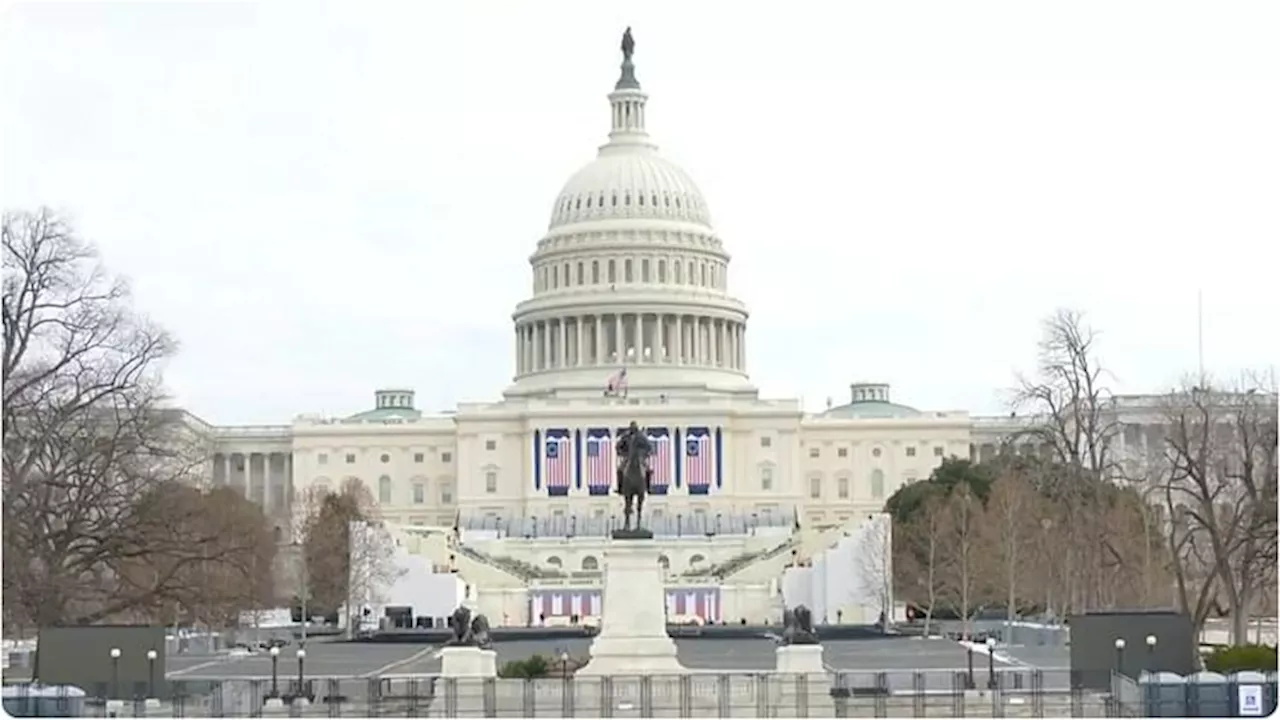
[[633, 473]]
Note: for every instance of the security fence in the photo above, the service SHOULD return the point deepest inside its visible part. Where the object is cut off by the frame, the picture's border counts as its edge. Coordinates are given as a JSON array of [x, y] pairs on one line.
[[1013, 693]]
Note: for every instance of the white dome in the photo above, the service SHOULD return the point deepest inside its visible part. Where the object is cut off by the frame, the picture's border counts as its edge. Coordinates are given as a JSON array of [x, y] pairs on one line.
[[629, 182]]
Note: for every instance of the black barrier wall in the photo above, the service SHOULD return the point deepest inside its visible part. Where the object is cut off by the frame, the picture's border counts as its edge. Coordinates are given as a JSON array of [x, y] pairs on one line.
[[1095, 652], [82, 657]]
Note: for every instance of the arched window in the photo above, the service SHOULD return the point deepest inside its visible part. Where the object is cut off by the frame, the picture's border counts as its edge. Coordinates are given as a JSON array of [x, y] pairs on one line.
[[877, 483], [679, 272], [692, 276], [554, 561], [590, 563], [384, 489], [613, 271], [566, 275], [665, 562], [579, 273], [662, 271], [696, 560], [595, 272], [626, 271], [644, 270]]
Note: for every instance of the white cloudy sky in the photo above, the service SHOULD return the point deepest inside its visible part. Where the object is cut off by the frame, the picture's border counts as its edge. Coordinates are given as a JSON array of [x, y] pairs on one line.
[[323, 198]]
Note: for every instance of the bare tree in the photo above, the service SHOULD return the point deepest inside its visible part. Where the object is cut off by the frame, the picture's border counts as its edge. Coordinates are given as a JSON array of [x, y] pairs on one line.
[[1219, 488], [372, 560], [916, 555], [874, 573], [343, 566], [1012, 514], [1074, 426], [88, 446], [960, 554]]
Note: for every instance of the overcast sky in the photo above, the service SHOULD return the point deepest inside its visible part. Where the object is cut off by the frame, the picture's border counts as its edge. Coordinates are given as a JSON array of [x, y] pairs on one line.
[[318, 199]]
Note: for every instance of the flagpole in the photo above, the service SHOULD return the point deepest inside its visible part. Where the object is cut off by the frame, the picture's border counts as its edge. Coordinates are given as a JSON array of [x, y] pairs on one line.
[[1200, 333]]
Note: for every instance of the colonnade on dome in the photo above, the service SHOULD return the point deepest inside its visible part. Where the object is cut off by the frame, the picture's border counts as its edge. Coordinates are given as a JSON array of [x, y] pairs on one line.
[[630, 338]]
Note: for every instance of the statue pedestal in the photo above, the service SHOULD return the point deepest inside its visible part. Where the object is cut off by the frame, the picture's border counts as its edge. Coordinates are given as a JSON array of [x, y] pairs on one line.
[[633, 636], [468, 662], [800, 659]]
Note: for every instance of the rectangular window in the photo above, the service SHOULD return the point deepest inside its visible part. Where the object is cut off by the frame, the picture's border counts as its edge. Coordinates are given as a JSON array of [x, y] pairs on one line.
[[815, 487], [384, 490], [419, 493], [662, 271], [613, 271], [595, 272], [446, 494], [911, 451], [446, 457], [814, 452], [766, 441], [490, 444], [766, 479], [351, 458], [323, 458], [418, 457], [580, 273], [491, 482], [842, 488], [644, 270], [842, 452], [626, 270], [938, 450]]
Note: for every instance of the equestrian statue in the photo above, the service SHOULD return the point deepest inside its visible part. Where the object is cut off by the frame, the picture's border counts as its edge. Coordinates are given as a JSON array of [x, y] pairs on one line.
[[469, 631], [797, 627], [634, 477]]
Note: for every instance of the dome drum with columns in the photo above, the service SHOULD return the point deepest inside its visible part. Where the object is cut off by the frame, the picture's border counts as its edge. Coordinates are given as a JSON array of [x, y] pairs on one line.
[[630, 274]]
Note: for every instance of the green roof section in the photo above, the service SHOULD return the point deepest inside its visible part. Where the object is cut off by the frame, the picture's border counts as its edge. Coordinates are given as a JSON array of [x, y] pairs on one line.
[[870, 401], [390, 404]]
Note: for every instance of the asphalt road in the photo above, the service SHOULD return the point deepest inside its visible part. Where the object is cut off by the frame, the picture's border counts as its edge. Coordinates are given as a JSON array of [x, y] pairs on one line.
[[938, 660]]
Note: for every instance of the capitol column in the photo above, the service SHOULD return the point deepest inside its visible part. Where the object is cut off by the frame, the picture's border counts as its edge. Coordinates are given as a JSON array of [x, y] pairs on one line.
[[660, 338], [599, 339], [544, 330], [618, 350], [677, 340], [637, 332], [580, 342], [563, 351]]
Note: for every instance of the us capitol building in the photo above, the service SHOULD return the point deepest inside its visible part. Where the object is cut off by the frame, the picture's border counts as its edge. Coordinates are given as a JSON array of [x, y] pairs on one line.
[[631, 292]]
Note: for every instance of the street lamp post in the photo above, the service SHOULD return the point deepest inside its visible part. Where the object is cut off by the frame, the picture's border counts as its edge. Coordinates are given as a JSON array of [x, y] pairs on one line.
[[151, 673], [968, 680], [275, 671], [302, 656], [991, 663], [302, 563], [115, 673], [1120, 655], [1151, 653]]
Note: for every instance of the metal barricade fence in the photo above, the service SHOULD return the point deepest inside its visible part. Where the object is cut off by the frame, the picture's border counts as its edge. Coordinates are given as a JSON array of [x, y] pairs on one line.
[[905, 693]]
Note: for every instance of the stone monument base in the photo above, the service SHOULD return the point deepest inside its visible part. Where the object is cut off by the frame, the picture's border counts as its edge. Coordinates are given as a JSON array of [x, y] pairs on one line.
[[633, 636], [800, 659], [468, 662]]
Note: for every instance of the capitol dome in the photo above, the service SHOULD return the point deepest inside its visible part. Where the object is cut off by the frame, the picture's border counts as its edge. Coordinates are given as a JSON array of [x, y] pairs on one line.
[[630, 281], [629, 185]]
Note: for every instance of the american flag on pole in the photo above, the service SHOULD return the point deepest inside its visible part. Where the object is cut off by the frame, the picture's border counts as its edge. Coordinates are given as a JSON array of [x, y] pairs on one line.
[[601, 467], [559, 461], [661, 460], [699, 466], [617, 385]]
